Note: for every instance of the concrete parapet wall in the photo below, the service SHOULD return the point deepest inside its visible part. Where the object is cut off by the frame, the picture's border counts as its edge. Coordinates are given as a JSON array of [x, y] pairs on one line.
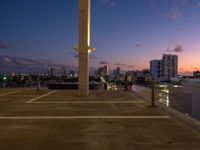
[[145, 93]]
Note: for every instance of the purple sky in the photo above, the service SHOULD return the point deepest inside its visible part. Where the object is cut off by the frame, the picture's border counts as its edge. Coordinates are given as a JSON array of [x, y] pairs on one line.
[[126, 33]]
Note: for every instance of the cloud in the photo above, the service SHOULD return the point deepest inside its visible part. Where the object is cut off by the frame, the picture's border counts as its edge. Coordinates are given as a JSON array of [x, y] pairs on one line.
[[138, 45], [6, 60], [103, 63], [20, 61], [196, 68], [175, 14], [176, 9], [186, 73], [198, 4], [184, 2], [153, 3], [177, 49], [130, 66], [10, 64], [172, 14], [119, 64], [172, 9], [7, 46], [193, 15], [25, 65], [107, 3]]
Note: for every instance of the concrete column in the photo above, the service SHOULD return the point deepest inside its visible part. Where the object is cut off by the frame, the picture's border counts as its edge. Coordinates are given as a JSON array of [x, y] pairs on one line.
[[84, 44]]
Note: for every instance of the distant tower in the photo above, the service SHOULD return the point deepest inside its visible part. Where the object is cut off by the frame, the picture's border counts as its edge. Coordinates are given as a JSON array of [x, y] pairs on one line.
[[50, 72], [155, 68], [169, 66], [118, 72], [106, 70], [63, 71], [102, 71], [166, 68]]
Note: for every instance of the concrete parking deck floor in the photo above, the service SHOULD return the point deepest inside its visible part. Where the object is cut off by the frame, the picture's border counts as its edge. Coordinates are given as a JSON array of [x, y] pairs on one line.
[[60, 120]]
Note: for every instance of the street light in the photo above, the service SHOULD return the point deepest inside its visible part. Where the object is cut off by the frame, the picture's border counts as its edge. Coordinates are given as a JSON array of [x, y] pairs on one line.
[[90, 49]]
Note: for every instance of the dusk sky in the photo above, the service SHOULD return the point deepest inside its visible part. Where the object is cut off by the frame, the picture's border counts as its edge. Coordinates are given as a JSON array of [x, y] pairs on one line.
[[126, 33]]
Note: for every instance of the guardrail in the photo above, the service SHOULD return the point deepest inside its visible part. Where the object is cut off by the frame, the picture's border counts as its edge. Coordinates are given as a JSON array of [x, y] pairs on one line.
[[169, 106]]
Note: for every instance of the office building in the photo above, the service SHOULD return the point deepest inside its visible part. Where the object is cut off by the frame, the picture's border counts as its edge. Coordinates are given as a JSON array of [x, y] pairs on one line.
[[50, 72], [155, 68], [169, 67], [54, 72], [102, 71], [117, 72], [164, 69]]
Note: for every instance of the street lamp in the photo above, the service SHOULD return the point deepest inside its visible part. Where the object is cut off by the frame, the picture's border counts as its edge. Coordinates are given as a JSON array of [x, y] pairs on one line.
[[90, 49]]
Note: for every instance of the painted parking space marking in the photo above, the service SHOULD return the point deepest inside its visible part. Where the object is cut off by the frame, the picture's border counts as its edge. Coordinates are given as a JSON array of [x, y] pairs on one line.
[[9, 93], [39, 97], [78, 117], [87, 102]]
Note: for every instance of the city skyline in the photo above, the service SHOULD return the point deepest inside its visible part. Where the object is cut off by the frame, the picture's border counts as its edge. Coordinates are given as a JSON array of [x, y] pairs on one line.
[[127, 34]]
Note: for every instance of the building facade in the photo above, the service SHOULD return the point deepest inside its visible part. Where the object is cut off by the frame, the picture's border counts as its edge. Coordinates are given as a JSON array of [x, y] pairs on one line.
[[169, 67], [117, 72], [102, 71], [164, 69], [155, 68]]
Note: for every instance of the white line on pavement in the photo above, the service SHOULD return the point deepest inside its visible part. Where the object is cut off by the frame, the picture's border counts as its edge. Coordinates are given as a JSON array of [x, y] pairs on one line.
[[12, 92], [79, 117], [39, 97], [89, 102]]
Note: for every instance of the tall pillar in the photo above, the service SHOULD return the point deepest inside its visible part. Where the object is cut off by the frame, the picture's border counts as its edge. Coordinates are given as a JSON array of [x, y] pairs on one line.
[[84, 44]]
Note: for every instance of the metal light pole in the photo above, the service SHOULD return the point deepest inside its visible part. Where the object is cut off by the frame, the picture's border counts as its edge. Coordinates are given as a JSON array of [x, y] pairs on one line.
[[153, 93]]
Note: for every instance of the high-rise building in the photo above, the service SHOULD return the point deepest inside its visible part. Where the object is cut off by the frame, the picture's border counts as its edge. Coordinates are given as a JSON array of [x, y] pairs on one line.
[[50, 72], [155, 68], [117, 72], [166, 68], [102, 71], [54, 72], [169, 66]]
